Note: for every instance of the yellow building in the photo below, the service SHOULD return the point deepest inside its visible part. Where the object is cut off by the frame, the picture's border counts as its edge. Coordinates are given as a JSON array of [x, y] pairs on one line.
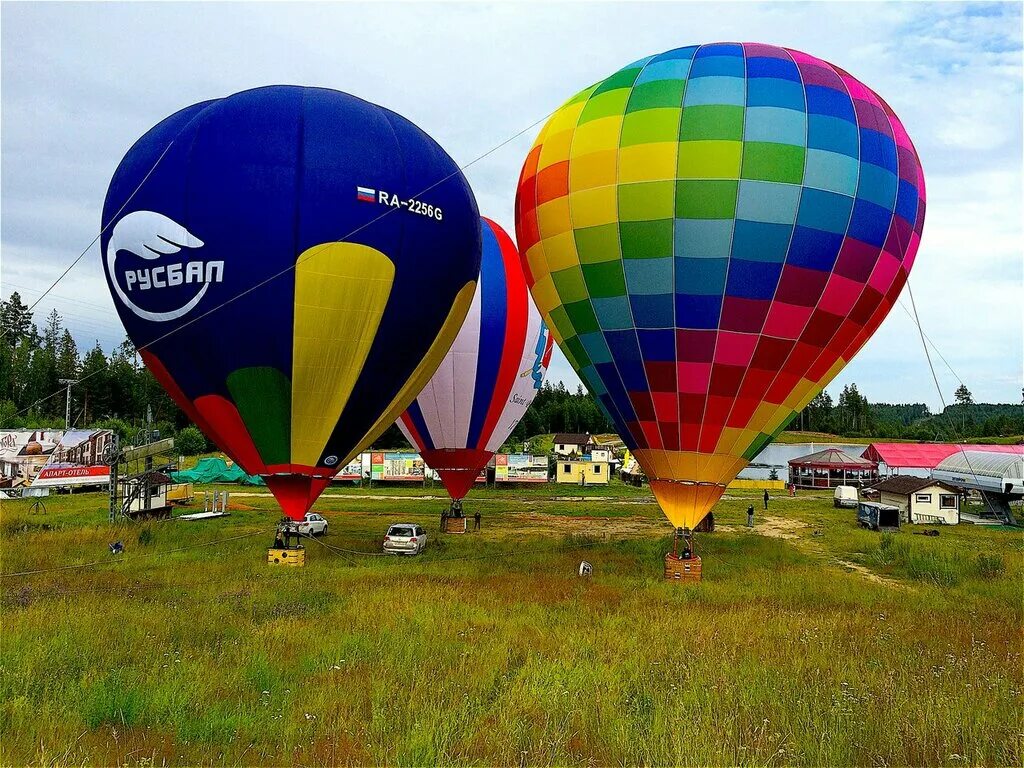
[[583, 472]]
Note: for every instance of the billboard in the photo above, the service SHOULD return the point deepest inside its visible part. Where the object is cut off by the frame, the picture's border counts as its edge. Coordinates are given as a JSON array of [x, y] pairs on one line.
[[48, 458], [520, 468], [396, 467], [77, 460], [351, 471]]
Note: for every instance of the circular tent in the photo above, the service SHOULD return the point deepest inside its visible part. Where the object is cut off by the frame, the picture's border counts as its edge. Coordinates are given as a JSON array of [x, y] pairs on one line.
[[831, 468]]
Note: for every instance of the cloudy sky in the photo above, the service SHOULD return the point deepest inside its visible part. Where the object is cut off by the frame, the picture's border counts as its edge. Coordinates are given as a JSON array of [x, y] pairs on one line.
[[80, 82]]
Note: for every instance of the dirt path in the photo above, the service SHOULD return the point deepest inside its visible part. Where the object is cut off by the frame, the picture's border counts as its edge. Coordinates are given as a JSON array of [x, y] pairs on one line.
[[790, 530]]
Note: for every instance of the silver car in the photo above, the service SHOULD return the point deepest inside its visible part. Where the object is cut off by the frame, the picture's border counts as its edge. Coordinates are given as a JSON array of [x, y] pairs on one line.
[[405, 539]]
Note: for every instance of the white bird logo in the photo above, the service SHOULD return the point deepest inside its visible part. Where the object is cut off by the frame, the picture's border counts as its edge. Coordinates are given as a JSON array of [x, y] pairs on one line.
[[150, 235]]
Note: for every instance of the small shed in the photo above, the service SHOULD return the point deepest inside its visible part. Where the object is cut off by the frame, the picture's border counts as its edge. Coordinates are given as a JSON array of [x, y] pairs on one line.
[[583, 472], [921, 500], [831, 468], [145, 494]]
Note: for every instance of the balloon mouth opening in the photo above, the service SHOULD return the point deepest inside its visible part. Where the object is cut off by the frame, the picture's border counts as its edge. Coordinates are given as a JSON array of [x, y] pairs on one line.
[[459, 468], [296, 493], [686, 502]]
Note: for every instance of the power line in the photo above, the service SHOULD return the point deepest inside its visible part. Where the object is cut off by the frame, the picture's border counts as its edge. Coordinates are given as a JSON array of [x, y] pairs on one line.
[[104, 229], [935, 378]]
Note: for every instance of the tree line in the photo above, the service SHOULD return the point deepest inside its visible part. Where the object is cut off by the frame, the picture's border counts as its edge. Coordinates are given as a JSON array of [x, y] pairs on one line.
[[112, 391], [853, 416], [117, 392]]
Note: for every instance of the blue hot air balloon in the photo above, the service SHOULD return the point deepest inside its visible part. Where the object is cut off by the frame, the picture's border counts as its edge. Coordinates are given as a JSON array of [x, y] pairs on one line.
[[293, 265]]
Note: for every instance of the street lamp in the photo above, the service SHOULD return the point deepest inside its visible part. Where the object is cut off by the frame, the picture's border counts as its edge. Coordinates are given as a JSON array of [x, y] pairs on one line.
[[67, 403]]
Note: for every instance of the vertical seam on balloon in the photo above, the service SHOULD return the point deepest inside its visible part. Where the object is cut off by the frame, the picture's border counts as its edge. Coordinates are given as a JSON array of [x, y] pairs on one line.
[[489, 319], [516, 324], [412, 418], [782, 407], [296, 253], [622, 266], [476, 424], [386, 114], [796, 341], [458, 436], [885, 311], [200, 363], [622, 423], [796, 216], [881, 249], [675, 321], [680, 414], [702, 457]]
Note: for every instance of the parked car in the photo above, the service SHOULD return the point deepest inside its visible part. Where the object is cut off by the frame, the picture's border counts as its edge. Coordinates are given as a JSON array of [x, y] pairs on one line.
[[845, 496], [313, 525], [405, 539]]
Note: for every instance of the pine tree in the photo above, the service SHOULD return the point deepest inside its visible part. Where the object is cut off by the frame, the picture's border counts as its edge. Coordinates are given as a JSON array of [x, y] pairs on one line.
[[963, 396], [15, 319], [95, 386]]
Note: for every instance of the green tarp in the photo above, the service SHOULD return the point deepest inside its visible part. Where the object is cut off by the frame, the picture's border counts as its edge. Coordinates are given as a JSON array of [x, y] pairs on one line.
[[214, 470]]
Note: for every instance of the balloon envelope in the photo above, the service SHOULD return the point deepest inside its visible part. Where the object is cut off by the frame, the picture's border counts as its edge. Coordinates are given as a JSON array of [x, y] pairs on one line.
[[489, 377], [712, 233], [273, 258]]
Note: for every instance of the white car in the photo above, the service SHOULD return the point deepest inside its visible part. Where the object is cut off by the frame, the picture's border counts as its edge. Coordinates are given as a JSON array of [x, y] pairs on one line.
[[405, 539], [313, 525], [845, 496]]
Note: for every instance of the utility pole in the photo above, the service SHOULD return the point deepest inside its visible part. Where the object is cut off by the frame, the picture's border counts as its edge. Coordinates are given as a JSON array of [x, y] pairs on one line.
[[67, 403]]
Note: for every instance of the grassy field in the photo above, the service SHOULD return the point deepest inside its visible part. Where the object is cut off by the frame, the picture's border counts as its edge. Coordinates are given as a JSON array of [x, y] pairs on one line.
[[809, 642]]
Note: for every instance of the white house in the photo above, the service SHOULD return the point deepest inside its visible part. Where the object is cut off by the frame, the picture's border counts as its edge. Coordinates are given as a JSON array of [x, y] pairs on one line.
[[921, 499], [571, 444]]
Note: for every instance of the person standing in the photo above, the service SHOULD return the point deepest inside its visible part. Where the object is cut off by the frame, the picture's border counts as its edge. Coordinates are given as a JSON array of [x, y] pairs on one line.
[[766, 498], [444, 520], [750, 516], [476, 521]]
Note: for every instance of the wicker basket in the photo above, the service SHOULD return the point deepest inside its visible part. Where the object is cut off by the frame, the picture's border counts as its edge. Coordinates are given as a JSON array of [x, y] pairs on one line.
[[682, 570], [455, 525]]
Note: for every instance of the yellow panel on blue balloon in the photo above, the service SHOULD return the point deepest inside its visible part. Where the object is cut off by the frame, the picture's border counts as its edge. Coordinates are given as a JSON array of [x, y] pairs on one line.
[[341, 290]]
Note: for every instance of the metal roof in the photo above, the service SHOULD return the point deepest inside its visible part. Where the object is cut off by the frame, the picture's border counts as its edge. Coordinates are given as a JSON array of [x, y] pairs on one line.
[[927, 455], [985, 463]]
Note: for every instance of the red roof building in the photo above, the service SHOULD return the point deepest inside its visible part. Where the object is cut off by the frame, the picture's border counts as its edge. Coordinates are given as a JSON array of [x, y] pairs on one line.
[[898, 456]]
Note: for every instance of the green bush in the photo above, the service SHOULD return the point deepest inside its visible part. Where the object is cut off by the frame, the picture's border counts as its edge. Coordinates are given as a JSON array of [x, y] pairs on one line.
[[190, 441]]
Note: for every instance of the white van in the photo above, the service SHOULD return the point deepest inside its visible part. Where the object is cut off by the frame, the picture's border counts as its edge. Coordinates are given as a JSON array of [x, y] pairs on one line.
[[846, 496]]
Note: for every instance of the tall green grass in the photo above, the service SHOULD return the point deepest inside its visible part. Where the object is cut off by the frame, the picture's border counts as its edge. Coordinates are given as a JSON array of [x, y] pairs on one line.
[[490, 650]]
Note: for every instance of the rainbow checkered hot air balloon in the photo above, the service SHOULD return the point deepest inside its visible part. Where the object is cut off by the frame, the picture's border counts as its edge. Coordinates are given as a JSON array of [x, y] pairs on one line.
[[712, 233], [489, 378], [293, 264]]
